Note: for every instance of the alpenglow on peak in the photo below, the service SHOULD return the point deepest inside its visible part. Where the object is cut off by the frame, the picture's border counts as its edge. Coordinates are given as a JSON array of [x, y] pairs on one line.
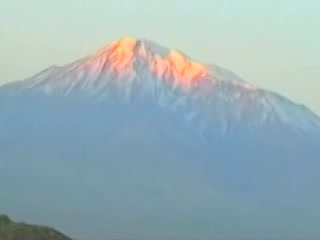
[[125, 54], [131, 65]]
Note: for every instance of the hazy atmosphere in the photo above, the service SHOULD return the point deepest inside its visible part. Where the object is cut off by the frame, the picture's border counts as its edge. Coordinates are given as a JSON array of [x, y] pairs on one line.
[[194, 120], [274, 44]]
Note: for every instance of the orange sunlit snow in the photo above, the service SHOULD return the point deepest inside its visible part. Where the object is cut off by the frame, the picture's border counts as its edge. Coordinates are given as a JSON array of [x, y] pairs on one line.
[[122, 54]]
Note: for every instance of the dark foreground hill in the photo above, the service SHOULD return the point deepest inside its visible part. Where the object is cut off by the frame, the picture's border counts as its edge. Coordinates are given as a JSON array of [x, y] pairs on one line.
[[10, 230]]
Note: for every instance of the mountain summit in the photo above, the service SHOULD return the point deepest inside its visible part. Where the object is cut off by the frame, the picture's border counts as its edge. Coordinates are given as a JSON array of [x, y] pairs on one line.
[[129, 61], [162, 62], [140, 141]]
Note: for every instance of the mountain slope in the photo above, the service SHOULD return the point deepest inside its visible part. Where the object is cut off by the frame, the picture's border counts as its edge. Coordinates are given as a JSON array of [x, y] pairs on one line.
[[144, 142]]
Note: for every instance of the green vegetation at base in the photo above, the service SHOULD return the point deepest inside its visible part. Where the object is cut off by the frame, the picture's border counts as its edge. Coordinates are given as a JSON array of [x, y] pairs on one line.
[[10, 230]]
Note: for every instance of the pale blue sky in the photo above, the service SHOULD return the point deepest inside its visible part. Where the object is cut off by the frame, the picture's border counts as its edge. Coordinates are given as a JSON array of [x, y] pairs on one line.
[[274, 44]]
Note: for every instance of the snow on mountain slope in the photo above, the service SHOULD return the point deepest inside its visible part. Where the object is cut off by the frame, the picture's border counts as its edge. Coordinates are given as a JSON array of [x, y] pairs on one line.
[[130, 69]]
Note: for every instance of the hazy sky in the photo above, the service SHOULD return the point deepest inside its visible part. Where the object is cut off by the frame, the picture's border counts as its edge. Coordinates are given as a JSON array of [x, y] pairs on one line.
[[274, 44]]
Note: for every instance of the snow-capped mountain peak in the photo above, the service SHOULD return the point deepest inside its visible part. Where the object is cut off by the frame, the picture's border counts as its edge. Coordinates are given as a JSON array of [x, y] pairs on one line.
[[137, 69], [130, 45], [130, 61], [125, 55]]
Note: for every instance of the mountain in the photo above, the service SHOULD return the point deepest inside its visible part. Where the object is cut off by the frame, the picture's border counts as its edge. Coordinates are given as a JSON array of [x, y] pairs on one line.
[[141, 141], [10, 230]]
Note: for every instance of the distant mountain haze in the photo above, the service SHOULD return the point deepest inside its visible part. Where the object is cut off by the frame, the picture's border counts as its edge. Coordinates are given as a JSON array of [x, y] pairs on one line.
[[139, 141]]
